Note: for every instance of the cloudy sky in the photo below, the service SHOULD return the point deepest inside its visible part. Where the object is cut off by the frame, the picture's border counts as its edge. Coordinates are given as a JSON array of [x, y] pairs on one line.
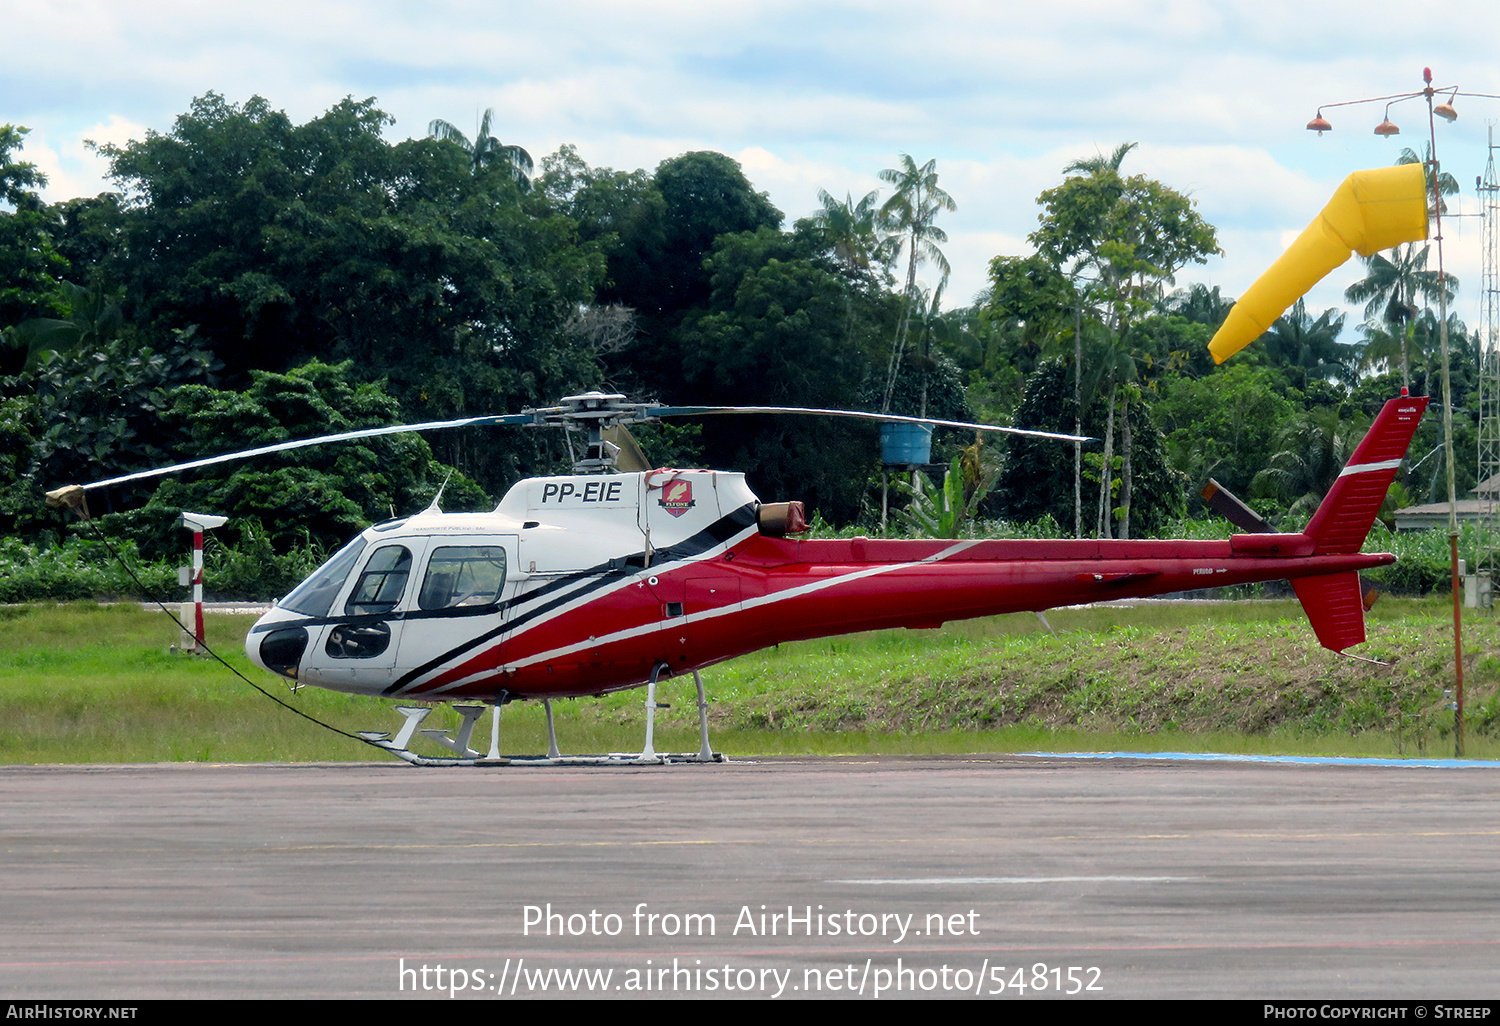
[[811, 94]]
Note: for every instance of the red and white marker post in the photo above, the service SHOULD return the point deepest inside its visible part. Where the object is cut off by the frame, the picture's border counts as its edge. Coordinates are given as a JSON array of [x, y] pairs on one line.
[[197, 523]]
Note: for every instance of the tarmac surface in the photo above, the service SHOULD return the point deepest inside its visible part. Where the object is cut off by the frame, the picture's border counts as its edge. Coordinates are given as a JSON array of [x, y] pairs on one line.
[[1006, 876]]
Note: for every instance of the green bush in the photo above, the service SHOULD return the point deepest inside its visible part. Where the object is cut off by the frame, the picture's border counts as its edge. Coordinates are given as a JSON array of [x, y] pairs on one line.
[[83, 568], [79, 569], [1423, 560]]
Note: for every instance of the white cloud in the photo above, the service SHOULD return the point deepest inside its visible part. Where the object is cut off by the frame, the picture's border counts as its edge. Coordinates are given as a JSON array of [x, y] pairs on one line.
[[75, 168], [811, 95]]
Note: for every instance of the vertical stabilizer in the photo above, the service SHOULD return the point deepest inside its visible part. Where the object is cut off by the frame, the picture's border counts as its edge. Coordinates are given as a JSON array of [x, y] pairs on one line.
[[1348, 510], [1334, 602]]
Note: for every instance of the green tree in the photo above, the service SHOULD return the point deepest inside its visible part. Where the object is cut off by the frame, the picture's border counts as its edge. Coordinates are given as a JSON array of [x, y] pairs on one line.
[[1311, 345], [324, 494], [1312, 449], [1200, 304], [911, 216], [1035, 481], [98, 413], [1077, 213], [656, 231], [850, 229], [92, 319], [624, 215], [930, 374], [17, 178], [1032, 302], [30, 265], [1390, 290], [1223, 425], [283, 242], [1420, 339], [1070, 238], [775, 334], [486, 152], [1133, 234], [706, 195]]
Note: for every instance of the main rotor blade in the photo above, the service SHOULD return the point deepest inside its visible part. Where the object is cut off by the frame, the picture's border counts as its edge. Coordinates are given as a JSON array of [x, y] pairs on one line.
[[703, 411], [436, 425]]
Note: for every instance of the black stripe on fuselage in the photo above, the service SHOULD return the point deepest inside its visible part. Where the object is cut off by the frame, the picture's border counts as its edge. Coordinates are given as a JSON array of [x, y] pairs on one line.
[[717, 533], [436, 614], [509, 625]]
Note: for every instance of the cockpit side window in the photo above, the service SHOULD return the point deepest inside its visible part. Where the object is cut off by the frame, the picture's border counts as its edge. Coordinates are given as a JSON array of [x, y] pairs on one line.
[[382, 582], [463, 576], [314, 596]]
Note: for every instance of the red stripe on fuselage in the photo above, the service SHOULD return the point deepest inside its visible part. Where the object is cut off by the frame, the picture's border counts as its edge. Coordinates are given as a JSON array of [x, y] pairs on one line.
[[766, 591]]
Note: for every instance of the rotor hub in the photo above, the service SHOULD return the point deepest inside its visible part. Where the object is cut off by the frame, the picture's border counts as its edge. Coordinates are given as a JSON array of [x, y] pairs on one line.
[[593, 412]]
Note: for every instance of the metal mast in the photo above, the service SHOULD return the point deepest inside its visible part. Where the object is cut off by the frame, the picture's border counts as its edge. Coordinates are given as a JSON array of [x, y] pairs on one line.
[[1488, 555]]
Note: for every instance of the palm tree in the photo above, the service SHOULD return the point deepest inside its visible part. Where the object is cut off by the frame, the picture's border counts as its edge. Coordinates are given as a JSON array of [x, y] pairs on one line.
[[850, 229], [1391, 287], [487, 151], [1312, 346], [1098, 162], [1200, 304], [1447, 184], [911, 215], [934, 329], [1419, 337], [1311, 452]]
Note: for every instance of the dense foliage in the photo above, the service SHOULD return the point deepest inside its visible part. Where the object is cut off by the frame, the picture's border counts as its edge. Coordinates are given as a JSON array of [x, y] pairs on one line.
[[252, 280]]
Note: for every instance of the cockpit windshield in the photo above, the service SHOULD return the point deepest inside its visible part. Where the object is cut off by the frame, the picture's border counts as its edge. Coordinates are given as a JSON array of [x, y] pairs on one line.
[[314, 596]]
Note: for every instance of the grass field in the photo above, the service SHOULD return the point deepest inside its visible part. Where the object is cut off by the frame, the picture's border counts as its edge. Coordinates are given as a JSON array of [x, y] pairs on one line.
[[87, 683]]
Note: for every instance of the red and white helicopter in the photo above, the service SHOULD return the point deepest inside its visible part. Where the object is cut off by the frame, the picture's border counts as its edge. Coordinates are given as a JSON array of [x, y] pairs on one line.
[[605, 580]]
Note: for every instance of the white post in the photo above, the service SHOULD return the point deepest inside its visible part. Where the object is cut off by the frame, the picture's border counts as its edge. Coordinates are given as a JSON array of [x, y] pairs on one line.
[[198, 523]]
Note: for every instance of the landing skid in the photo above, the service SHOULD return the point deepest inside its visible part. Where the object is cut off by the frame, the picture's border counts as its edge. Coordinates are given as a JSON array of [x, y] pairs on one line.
[[469, 715]]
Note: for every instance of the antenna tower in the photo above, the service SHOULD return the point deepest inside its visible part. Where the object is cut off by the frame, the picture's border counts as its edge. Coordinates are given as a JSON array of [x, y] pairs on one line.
[[1488, 554]]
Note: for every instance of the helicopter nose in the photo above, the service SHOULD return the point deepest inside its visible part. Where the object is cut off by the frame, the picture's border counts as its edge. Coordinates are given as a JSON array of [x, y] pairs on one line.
[[279, 650]]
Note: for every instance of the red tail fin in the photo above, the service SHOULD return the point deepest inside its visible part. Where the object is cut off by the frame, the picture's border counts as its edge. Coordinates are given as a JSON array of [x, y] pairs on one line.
[[1342, 521], [1333, 602]]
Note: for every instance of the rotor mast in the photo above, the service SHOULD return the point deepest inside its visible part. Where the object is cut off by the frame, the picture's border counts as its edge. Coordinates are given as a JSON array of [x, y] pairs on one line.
[[594, 413]]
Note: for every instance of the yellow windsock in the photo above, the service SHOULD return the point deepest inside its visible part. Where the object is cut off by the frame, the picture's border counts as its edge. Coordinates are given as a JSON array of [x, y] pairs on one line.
[[1372, 210]]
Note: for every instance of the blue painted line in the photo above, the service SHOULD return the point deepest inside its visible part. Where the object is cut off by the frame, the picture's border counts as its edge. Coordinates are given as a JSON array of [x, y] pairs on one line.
[[1298, 760]]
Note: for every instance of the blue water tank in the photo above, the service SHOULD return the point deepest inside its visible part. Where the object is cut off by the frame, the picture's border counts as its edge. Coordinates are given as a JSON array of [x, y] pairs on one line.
[[905, 445]]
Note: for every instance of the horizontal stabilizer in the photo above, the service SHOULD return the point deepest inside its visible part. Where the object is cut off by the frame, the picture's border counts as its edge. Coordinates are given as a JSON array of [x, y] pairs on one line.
[[1335, 606]]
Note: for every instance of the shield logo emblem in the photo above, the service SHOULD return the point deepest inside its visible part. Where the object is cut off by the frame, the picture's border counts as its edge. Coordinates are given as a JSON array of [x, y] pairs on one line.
[[677, 497]]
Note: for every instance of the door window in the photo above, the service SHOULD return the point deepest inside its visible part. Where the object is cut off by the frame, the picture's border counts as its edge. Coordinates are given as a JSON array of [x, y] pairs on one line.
[[463, 576], [382, 582]]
